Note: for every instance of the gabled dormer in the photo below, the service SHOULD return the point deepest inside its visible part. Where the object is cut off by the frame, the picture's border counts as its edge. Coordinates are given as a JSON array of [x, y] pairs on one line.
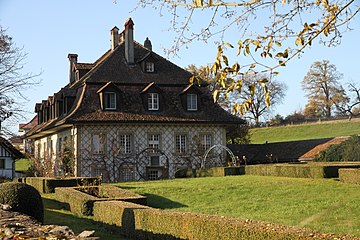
[[148, 63], [152, 97], [109, 96], [190, 98]]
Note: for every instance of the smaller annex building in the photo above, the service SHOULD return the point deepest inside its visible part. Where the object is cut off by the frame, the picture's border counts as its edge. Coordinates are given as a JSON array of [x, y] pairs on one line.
[[8, 155], [130, 115]]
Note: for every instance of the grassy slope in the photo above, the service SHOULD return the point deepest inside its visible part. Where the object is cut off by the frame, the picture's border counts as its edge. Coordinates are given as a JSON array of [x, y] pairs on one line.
[[325, 205], [305, 131]]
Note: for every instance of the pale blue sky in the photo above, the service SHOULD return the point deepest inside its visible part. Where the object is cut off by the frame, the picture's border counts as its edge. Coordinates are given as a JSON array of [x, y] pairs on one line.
[[49, 30]]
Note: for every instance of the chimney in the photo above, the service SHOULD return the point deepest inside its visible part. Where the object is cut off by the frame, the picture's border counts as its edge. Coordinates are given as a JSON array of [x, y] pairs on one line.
[[129, 41], [72, 59], [147, 44], [114, 37]]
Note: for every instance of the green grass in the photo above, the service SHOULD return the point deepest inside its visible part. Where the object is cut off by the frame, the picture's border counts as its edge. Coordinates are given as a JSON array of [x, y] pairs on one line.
[[22, 164], [305, 131], [56, 213], [325, 205]]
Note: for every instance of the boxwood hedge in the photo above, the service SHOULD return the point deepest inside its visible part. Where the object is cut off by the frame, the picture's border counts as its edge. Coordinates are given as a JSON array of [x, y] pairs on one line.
[[140, 222], [349, 175]]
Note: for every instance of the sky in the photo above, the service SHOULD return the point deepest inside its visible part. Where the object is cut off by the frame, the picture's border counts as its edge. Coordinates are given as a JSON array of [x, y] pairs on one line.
[[49, 30]]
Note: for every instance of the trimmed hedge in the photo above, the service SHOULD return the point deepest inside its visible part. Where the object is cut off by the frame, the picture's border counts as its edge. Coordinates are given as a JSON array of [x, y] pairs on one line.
[[82, 203], [210, 172], [48, 185], [349, 175], [140, 222], [298, 170]]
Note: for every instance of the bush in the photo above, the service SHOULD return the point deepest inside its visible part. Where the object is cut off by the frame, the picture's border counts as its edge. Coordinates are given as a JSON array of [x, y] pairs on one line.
[[141, 222], [22, 198], [347, 151], [348, 175]]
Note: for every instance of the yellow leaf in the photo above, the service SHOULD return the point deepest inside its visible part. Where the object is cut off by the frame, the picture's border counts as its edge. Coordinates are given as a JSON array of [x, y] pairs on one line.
[[216, 95], [228, 44], [225, 60], [286, 53], [253, 65], [282, 63], [252, 89], [199, 3], [284, 2], [192, 78], [267, 99], [264, 80], [247, 49], [278, 43]]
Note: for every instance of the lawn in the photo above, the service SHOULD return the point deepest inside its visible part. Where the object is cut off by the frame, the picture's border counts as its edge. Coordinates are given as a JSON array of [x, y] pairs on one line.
[[22, 164], [323, 204], [305, 131], [56, 213]]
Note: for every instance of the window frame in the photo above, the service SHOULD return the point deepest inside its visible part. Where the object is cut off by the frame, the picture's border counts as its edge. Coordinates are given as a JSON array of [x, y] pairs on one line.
[[191, 102], [204, 141], [127, 145], [153, 101], [181, 143], [101, 147], [107, 100], [152, 145], [149, 67]]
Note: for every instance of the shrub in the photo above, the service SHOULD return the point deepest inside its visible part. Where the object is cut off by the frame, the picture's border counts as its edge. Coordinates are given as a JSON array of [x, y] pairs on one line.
[[348, 150], [22, 198], [348, 175]]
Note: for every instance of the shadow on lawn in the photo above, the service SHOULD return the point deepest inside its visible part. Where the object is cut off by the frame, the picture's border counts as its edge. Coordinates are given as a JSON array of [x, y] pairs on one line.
[[77, 223], [157, 201]]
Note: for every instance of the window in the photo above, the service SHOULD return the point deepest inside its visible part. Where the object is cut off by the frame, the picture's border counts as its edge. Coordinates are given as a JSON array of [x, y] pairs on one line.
[[44, 151], [109, 101], [206, 142], [98, 143], [192, 102], [127, 174], [153, 101], [149, 67], [180, 143], [154, 141], [2, 163], [153, 174], [125, 143]]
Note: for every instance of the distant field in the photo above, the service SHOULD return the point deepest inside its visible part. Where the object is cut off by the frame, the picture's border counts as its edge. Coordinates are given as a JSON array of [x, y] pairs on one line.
[[305, 131]]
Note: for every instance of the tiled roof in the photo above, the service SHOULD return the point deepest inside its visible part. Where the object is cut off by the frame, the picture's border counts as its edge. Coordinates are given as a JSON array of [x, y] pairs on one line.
[[112, 68], [6, 144]]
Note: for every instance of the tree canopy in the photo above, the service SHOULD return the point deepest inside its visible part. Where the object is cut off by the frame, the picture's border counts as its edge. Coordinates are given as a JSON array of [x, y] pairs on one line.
[[271, 33]]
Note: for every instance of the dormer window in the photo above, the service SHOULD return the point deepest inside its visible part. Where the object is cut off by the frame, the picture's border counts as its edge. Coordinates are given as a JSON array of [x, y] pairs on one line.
[[153, 101], [109, 101], [192, 102], [149, 67]]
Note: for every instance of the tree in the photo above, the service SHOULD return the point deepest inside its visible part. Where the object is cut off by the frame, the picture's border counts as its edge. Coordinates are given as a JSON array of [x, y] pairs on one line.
[[252, 98], [271, 33], [350, 107], [12, 80], [323, 88]]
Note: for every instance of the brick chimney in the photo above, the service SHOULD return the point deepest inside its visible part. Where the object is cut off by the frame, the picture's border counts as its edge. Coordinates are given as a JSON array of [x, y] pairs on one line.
[[72, 59], [114, 37], [147, 44], [129, 41]]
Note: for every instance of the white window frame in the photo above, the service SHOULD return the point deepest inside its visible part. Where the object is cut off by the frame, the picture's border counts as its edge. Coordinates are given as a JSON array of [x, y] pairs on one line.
[[149, 67], [125, 141], [154, 141], [109, 102], [180, 143], [192, 103], [153, 101], [206, 141], [100, 140]]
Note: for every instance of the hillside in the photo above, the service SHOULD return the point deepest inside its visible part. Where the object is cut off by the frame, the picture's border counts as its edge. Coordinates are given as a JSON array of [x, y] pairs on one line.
[[305, 131]]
